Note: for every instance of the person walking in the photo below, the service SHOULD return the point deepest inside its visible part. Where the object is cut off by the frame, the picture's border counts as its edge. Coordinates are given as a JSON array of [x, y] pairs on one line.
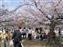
[[17, 38]]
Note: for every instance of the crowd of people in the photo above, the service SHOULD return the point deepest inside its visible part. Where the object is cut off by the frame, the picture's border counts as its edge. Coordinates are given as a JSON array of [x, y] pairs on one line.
[[27, 33]]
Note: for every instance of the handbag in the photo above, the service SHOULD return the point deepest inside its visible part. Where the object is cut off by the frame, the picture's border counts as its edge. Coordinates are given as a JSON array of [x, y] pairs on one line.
[[11, 42], [22, 45]]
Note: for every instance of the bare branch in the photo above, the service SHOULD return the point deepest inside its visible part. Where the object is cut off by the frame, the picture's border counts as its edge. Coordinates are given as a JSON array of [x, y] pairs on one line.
[[19, 6]]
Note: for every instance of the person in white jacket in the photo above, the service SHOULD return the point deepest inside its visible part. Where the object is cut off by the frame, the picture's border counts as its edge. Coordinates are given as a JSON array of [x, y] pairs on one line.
[[30, 34]]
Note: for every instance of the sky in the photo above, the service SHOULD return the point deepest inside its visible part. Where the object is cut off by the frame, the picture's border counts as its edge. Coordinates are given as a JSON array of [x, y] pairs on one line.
[[10, 3]]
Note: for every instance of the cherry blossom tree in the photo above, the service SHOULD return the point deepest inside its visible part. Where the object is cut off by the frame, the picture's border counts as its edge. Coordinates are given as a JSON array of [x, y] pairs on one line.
[[47, 12]]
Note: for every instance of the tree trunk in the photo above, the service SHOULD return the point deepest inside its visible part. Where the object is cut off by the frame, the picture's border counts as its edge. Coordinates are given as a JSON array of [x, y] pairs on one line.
[[51, 39]]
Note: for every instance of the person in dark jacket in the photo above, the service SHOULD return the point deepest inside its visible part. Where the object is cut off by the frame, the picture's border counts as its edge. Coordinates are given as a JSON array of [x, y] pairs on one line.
[[17, 38]]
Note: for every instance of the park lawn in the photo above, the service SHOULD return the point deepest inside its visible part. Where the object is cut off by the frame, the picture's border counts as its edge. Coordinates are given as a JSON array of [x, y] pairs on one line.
[[35, 43]]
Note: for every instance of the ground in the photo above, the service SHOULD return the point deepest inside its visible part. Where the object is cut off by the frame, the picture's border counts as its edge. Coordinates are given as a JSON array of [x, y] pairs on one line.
[[36, 43]]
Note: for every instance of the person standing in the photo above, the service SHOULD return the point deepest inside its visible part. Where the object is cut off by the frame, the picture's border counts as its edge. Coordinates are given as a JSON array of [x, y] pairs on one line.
[[24, 32], [47, 33], [17, 38], [5, 38], [57, 34], [30, 34], [36, 33], [41, 33]]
